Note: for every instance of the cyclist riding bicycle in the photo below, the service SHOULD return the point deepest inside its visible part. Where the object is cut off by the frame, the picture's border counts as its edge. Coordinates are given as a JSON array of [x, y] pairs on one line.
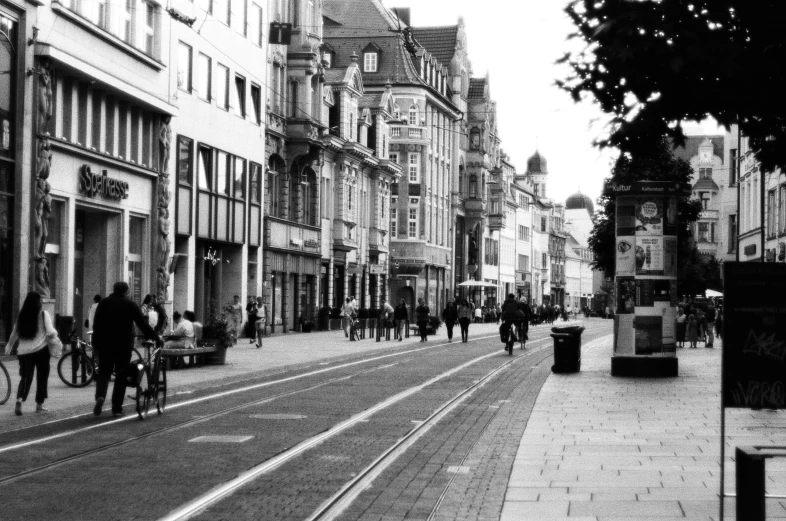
[[511, 314]]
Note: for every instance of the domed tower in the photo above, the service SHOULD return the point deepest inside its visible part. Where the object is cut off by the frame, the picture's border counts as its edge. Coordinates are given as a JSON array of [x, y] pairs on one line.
[[580, 201], [537, 171]]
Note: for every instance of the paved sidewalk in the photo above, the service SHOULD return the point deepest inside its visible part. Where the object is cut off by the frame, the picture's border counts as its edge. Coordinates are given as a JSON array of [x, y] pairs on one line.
[[243, 361], [599, 447]]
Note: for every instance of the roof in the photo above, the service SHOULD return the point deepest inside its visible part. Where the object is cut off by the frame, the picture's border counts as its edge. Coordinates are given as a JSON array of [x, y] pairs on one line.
[[579, 200], [477, 88], [439, 41], [706, 184], [359, 17], [537, 164], [692, 144]]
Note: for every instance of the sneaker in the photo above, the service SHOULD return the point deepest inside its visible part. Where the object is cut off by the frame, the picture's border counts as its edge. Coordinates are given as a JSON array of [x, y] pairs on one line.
[[97, 408], [39, 407], [118, 414], [18, 409]]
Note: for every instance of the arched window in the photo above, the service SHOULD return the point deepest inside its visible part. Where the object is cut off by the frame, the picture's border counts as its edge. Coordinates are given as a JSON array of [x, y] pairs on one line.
[[413, 115], [473, 186]]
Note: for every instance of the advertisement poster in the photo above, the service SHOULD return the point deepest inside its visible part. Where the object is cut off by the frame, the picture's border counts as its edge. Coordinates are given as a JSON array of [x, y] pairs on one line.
[[626, 288], [649, 216], [649, 335], [669, 327], [670, 226], [754, 339], [644, 293], [626, 216], [626, 261], [670, 256], [649, 255]]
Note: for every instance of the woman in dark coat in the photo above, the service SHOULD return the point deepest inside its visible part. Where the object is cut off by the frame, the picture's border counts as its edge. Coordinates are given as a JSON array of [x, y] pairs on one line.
[[450, 315], [422, 316], [400, 315]]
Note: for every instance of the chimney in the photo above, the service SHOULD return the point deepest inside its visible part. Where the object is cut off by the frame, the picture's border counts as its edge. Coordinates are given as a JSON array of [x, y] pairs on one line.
[[402, 13]]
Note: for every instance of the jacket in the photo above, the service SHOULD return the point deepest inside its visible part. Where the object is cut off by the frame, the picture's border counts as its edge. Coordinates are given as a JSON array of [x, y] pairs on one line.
[[31, 345], [401, 312], [449, 314], [423, 313], [510, 310], [465, 312], [114, 321]]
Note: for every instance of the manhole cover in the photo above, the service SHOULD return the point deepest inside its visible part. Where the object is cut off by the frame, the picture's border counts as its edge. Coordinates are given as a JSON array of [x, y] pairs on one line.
[[278, 416], [220, 439]]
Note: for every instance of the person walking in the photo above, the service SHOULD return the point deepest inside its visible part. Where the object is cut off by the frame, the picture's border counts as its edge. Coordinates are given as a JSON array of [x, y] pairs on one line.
[[478, 314], [692, 331], [33, 330], [235, 310], [450, 315], [701, 320], [719, 323], [711, 314], [113, 340], [400, 315], [260, 325], [682, 319], [91, 313], [465, 315], [422, 313], [346, 313], [252, 315], [524, 326]]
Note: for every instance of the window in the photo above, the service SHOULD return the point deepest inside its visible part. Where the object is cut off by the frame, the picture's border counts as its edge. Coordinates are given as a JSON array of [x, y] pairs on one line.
[[704, 231], [126, 26], [222, 173], [226, 17], [544, 260], [238, 13], [205, 86], [523, 233], [413, 223], [184, 66], [473, 186], [150, 29], [782, 209], [413, 115], [222, 87], [414, 168], [733, 160], [327, 59], [239, 182], [474, 139], [185, 155], [772, 221], [705, 200], [393, 157], [732, 233], [705, 173], [256, 101], [292, 106], [543, 224], [240, 93], [370, 62], [255, 188], [255, 25], [205, 168], [393, 222]]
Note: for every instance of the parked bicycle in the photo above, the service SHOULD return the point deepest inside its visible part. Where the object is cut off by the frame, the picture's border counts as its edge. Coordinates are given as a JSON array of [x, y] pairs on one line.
[[5, 384], [78, 367], [150, 379]]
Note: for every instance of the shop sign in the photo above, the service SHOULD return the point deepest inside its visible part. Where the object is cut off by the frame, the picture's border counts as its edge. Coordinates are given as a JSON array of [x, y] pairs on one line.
[[421, 262], [310, 243], [750, 249], [92, 184], [354, 270], [376, 269]]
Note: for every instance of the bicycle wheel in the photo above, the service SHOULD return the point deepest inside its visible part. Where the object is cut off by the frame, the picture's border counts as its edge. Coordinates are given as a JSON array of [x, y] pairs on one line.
[[5, 384], [159, 385], [76, 369], [143, 394]]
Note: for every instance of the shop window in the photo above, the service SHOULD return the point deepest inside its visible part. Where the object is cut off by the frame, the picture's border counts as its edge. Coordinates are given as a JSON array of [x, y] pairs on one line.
[[239, 184], [136, 245], [53, 251]]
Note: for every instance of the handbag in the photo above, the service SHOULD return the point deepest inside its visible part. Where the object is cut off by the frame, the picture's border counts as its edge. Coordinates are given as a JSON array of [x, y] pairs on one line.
[[55, 347]]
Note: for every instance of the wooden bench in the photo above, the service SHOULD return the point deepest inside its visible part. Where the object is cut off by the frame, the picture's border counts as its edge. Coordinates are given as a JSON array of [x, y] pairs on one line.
[[196, 356]]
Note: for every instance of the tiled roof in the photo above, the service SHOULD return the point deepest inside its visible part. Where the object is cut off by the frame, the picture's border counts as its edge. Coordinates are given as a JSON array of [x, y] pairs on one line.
[[335, 75], [477, 87], [371, 101], [359, 17], [439, 41]]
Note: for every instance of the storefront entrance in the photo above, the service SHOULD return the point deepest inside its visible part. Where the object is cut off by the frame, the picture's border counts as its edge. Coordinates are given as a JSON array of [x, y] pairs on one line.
[[97, 259]]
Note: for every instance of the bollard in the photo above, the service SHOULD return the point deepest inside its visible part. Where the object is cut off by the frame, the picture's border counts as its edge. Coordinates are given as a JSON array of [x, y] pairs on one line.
[[406, 335], [750, 484]]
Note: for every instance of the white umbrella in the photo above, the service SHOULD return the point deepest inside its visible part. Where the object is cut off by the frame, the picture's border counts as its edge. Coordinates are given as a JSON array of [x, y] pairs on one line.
[[712, 293], [477, 284]]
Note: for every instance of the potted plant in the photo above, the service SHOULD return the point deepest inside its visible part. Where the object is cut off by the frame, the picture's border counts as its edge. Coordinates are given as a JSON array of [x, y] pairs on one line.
[[433, 325], [307, 326], [221, 330]]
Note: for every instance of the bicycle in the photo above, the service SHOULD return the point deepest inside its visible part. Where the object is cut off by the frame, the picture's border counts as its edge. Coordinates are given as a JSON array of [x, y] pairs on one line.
[[84, 363], [522, 335], [5, 384], [150, 380], [510, 338]]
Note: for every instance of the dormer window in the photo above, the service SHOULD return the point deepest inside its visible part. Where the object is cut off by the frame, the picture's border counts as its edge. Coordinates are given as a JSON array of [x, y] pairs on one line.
[[327, 59], [370, 62]]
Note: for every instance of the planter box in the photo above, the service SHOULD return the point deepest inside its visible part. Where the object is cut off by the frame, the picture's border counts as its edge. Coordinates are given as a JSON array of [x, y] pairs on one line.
[[335, 324]]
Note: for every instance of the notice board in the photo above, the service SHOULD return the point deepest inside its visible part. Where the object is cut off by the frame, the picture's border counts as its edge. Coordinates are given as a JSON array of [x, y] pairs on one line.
[[754, 335]]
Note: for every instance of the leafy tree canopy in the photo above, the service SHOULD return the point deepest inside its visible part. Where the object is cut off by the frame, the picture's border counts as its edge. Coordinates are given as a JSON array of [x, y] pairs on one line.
[[659, 164], [651, 64]]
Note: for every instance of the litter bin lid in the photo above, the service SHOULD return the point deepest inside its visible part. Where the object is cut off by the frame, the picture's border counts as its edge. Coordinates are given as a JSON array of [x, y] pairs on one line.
[[572, 330]]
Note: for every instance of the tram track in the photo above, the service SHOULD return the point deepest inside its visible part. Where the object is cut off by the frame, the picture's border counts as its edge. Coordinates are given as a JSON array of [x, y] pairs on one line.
[[291, 453]]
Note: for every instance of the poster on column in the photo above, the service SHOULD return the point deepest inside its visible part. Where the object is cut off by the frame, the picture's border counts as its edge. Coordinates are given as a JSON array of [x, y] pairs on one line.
[[626, 216], [625, 257], [626, 289], [649, 255], [670, 256], [649, 216]]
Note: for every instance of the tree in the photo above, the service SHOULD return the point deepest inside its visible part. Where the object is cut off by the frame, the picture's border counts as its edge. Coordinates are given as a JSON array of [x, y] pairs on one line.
[[697, 273], [659, 164], [651, 64]]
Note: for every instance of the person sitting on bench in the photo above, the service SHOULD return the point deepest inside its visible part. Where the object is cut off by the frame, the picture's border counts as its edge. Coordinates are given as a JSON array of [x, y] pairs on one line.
[[184, 330]]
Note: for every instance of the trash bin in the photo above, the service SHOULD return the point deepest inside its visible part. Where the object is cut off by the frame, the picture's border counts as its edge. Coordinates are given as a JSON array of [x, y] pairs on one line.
[[567, 349]]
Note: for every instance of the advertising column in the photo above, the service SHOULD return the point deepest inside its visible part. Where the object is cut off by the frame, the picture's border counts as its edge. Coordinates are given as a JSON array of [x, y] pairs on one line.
[[645, 278]]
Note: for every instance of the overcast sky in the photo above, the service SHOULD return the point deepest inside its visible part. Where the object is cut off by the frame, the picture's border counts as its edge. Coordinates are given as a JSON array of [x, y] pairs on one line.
[[517, 43]]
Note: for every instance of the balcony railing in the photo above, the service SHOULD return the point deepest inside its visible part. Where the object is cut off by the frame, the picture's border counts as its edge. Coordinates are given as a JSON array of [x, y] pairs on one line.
[[413, 132]]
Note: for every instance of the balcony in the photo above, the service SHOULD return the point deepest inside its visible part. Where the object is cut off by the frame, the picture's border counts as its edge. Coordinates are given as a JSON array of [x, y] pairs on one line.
[[408, 134], [497, 221], [476, 206], [344, 235], [377, 241]]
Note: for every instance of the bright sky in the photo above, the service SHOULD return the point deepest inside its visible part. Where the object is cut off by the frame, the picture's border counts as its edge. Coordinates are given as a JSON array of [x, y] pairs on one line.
[[517, 43]]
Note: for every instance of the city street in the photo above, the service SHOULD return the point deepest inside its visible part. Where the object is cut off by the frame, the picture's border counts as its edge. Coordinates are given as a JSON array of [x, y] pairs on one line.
[[381, 431]]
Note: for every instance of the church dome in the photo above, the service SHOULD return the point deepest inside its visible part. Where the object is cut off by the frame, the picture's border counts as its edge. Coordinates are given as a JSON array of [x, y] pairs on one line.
[[537, 164], [578, 201]]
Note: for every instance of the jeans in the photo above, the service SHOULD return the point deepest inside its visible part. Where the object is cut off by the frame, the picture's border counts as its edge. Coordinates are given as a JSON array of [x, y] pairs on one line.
[[464, 325], [422, 327], [449, 326], [38, 362], [710, 333], [112, 360], [400, 328]]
